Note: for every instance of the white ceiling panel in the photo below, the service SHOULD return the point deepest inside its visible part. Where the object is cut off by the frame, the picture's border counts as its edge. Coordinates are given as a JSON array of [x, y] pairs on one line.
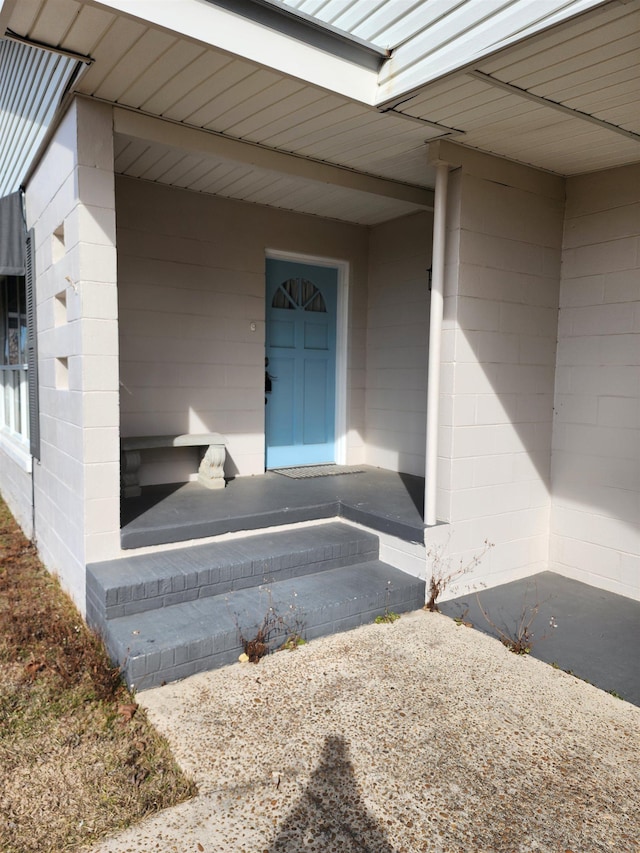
[[144, 51], [440, 97], [25, 14], [500, 114], [589, 69], [398, 164], [262, 101], [159, 73], [598, 89], [589, 63], [190, 171], [316, 109], [353, 147], [573, 40], [202, 173], [88, 29], [323, 124], [566, 147], [277, 114], [195, 100], [199, 72], [161, 165], [109, 52], [126, 154], [53, 23], [239, 100]]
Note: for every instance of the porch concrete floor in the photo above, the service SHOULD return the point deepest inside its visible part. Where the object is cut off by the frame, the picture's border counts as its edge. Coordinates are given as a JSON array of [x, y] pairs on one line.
[[597, 635], [413, 736], [382, 500]]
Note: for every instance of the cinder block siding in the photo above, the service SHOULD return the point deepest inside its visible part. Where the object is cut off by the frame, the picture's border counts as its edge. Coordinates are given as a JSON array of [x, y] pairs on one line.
[[70, 203], [15, 487], [190, 283], [398, 343], [595, 523], [498, 352]]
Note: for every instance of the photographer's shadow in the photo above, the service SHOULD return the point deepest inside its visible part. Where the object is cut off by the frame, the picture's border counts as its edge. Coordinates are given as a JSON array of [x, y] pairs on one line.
[[330, 815]]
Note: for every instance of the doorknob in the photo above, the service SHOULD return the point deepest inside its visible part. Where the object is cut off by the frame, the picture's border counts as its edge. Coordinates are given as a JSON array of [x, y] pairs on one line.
[[268, 378]]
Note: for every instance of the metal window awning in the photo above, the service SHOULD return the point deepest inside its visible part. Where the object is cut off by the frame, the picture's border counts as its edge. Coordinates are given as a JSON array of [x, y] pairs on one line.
[[33, 81]]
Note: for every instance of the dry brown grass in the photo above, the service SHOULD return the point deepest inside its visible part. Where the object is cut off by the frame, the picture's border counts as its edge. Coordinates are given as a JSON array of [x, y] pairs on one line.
[[78, 759]]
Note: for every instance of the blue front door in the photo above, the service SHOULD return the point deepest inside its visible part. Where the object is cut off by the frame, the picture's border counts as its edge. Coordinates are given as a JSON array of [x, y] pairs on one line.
[[300, 374]]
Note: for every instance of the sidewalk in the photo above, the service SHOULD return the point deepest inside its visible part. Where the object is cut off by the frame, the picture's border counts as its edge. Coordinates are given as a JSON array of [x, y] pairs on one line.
[[421, 735]]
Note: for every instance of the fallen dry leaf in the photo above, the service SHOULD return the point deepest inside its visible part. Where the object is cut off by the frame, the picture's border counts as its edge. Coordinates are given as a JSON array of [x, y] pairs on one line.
[[34, 667], [127, 711]]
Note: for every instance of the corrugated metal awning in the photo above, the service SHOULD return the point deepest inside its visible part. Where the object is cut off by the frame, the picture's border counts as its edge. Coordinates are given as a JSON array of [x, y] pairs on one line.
[[32, 84]]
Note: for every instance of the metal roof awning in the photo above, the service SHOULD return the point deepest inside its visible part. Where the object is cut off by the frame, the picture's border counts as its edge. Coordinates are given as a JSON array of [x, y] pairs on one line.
[[33, 81]]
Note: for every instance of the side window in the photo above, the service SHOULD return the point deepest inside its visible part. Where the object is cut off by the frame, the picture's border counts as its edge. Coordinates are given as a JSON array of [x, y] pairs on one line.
[[14, 415]]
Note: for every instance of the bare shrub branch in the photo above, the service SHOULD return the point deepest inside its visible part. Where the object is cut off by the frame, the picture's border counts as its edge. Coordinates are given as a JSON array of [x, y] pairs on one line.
[[520, 638], [443, 573]]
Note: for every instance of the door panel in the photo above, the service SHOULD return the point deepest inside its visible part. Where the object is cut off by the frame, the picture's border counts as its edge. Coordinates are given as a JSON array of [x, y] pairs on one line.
[[301, 353], [314, 414]]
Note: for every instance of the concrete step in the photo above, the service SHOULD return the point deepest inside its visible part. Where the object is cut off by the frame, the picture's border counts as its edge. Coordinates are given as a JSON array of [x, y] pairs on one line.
[[138, 583], [176, 641]]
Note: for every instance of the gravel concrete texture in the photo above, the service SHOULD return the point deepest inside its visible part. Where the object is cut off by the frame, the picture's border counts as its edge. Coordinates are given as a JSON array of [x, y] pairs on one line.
[[420, 735]]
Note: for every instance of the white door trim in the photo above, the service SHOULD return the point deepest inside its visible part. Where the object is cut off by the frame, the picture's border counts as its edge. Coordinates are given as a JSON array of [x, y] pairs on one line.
[[342, 337]]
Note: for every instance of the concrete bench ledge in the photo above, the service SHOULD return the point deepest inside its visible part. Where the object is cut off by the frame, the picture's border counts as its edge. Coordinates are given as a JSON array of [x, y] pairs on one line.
[[148, 442], [210, 473]]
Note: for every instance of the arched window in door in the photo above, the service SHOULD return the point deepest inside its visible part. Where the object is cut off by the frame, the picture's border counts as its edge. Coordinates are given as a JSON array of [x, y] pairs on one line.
[[299, 293]]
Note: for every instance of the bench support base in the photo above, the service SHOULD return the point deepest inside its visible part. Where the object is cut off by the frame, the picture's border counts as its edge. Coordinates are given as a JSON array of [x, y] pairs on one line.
[[211, 471], [130, 473]]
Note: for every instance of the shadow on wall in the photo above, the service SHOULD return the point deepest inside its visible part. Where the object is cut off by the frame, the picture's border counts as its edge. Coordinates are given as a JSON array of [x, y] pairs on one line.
[[331, 815]]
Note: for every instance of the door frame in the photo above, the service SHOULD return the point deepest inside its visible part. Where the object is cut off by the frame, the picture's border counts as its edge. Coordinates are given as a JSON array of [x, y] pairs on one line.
[[342, 337]]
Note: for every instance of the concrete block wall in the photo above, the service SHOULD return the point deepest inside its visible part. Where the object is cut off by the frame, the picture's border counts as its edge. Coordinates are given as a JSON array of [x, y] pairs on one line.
[[595, 521], [71, 205], [191, 274], [15, 483], [504, 239], [398, 343]]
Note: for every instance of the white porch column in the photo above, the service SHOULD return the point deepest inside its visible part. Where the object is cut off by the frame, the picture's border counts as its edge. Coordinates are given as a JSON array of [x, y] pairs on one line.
[[435, 336]]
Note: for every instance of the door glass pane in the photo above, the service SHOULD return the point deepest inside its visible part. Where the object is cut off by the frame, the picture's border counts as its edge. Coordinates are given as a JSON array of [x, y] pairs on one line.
[[312, 299]]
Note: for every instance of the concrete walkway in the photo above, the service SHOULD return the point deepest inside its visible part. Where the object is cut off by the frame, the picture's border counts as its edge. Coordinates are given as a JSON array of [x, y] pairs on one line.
[[420, 735]]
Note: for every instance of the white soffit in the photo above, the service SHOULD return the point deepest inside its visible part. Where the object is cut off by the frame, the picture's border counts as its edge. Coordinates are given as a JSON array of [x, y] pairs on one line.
[[238, 34], [590, 63], [160, 73], [207, 173], [520, 103]]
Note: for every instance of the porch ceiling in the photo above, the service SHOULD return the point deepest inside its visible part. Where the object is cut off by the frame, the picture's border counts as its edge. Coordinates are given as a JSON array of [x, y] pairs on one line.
[[187, 82], [208, 173], [566, 100]]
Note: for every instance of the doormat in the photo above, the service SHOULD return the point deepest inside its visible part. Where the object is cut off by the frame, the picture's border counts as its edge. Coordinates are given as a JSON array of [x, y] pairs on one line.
[[308, 471]]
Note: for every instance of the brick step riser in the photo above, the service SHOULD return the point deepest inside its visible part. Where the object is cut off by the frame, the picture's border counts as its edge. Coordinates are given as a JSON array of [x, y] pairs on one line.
[[155, 582], [222, 648], [218, 580]]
